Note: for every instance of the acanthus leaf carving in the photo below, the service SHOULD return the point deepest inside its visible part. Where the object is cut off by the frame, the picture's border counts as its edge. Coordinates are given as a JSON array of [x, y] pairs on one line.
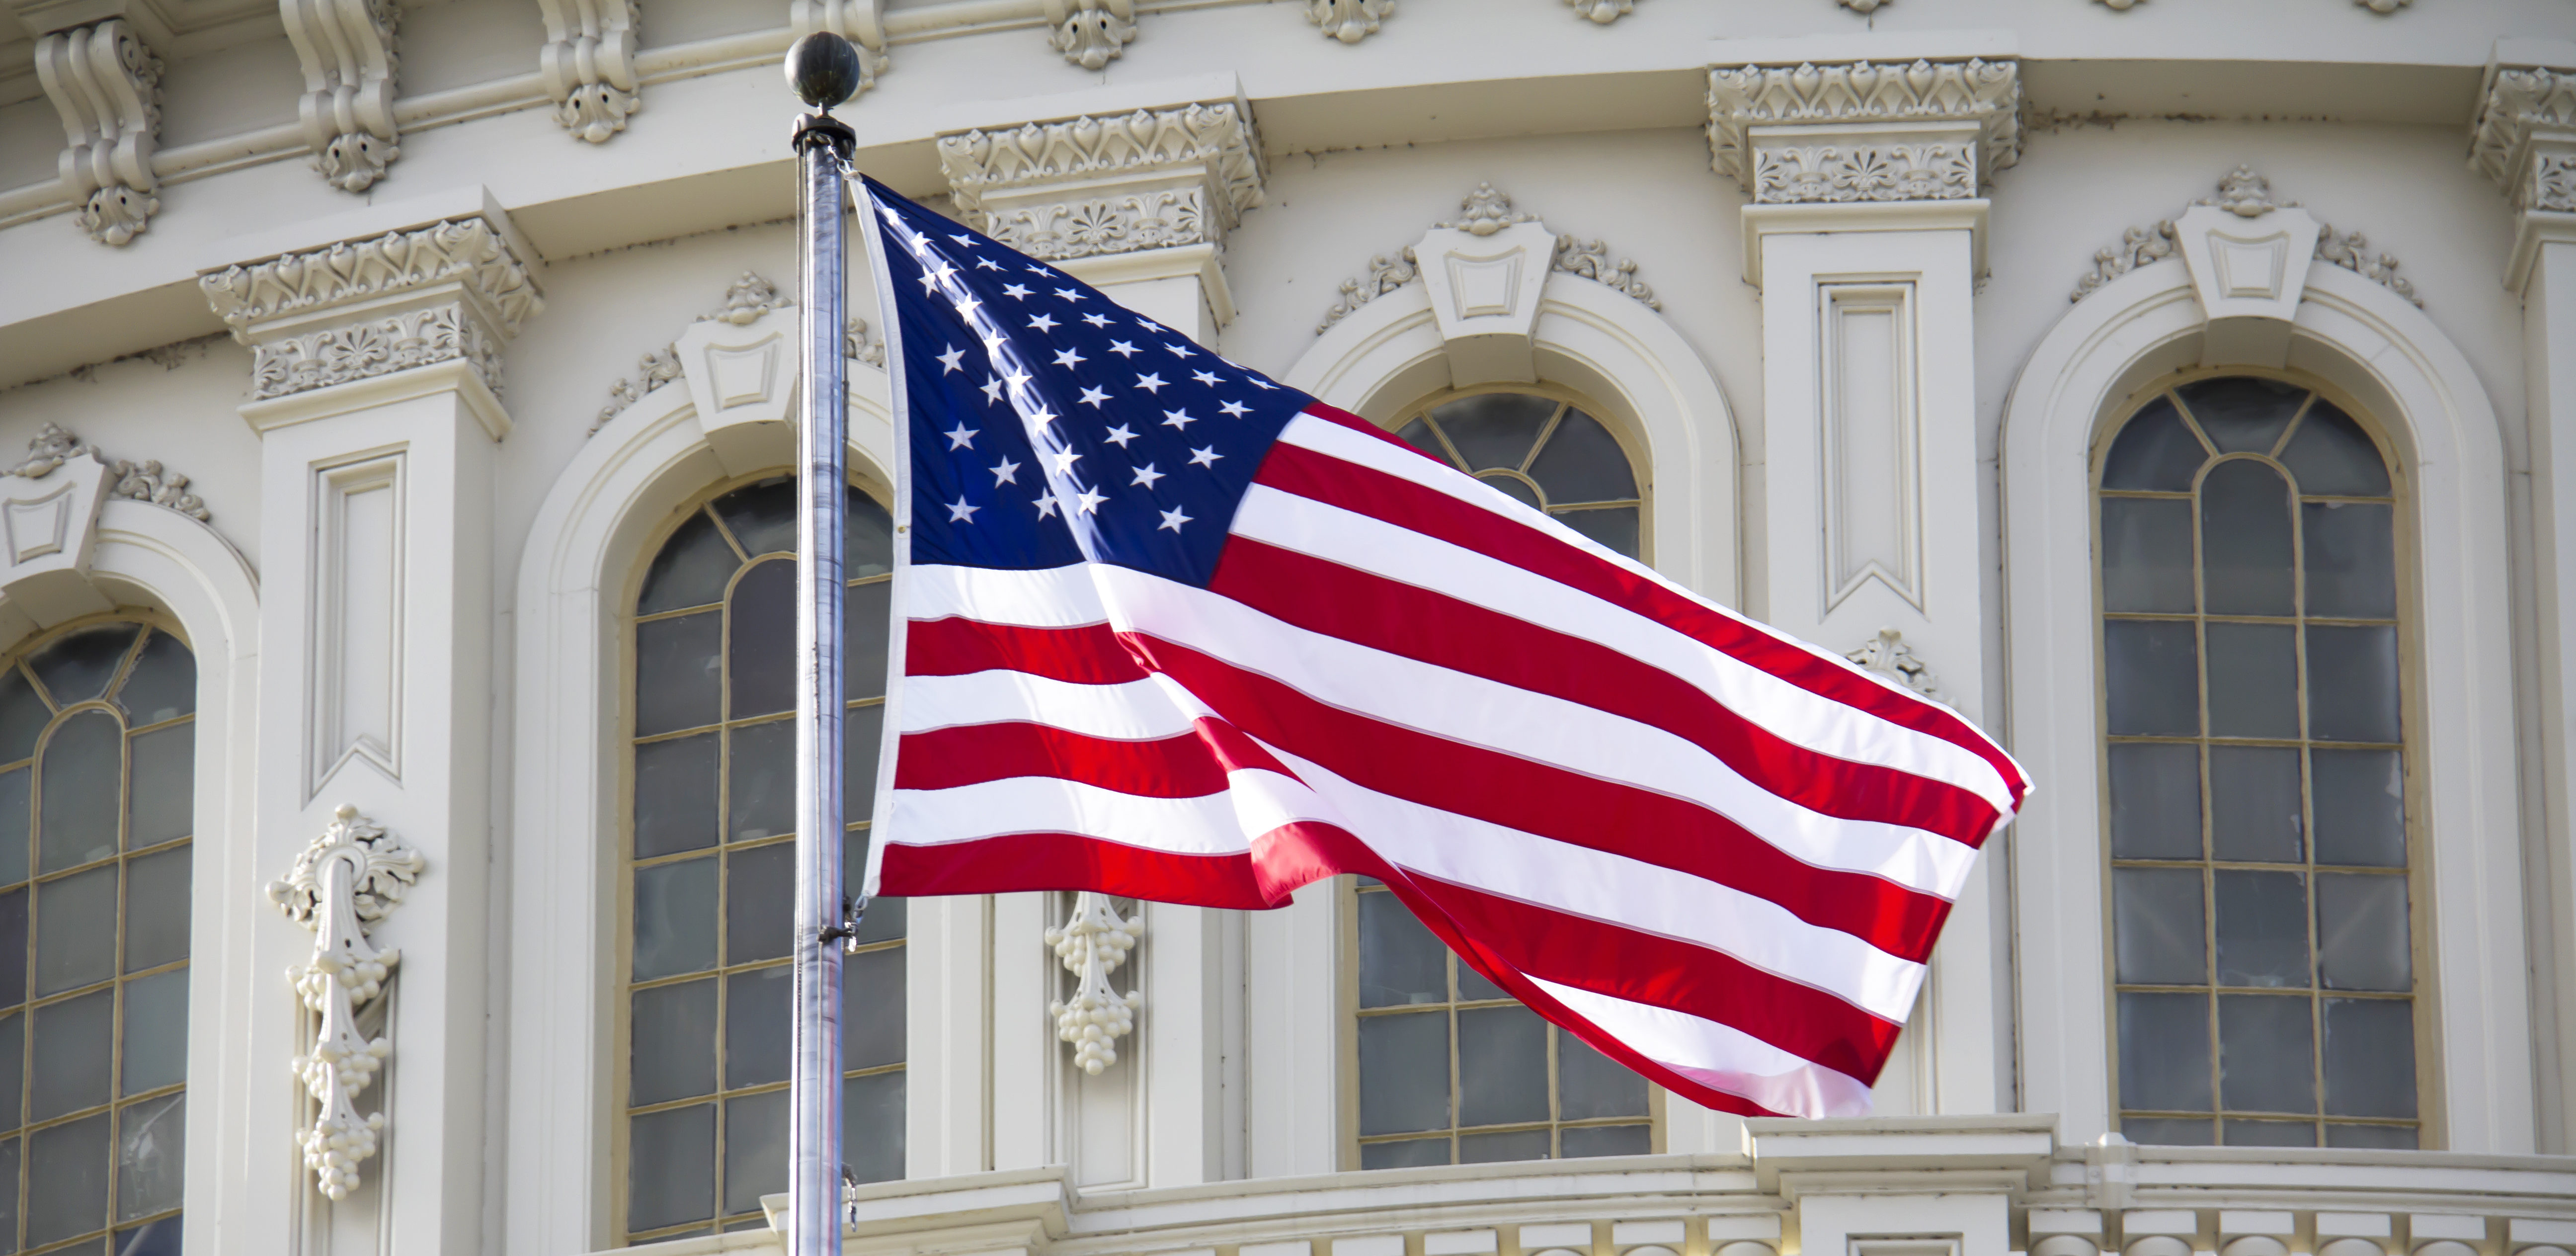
[[1486, 212], [589, 65], [859, 343], [1349, 21], [362, 350], [347, 880], [984, 164], [1590, 259], [1385, 275], [2524, 105], [106, 85], [1091, 33], [2351, 250], [53, 445], [1091, 944], [350, 59], [1793, 173], [2246, 194], [746, 300], [1888, 655], [1985, 94], [2138, 246], [1151, 220], [2553, 183]]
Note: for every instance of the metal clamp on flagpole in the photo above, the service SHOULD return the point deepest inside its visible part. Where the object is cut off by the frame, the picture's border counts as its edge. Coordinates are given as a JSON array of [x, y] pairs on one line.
[[824, 69]]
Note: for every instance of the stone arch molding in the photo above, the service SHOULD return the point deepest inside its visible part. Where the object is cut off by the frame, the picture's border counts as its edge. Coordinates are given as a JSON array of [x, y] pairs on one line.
[[719, 408], [1493, 299], [2202, 308]]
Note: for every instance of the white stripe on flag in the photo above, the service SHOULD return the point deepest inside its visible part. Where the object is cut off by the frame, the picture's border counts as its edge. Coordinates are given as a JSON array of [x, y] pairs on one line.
[[1719, 1056]]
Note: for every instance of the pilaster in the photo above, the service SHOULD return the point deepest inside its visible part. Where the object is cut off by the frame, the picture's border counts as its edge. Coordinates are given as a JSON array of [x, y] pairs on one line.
[[1866, 234], [376, 394], [1881, 1187], [2525, 140]]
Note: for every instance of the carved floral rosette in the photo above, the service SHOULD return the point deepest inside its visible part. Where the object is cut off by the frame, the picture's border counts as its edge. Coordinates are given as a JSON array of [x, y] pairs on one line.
[[1863, 172], [378, 347], [1153, 220], [349, 878]]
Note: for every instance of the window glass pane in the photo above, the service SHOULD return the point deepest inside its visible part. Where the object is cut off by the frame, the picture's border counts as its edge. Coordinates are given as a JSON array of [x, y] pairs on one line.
[[1400, 961], [2154, 683], [2331, 455], [13, 1072], [2154, 452], [675, 795], [156, 1033], [2270, 1133], [74, 1044], [79, 797], [1411, 1153], [2164, 1052], [2241, 413], [1590, 1084], [151, 1139], [162, 787], [76, 930], [1606, 1140], [67, 1175], [155, 1238], [2262, 928], [23, 716], [2352, 683], [872, 1126], [2360, 806], [14, 827], [2266, 1053], [2245, 540], [762, 516], [2390, 1137], [2158, 925], [1502, 1066], [671, 1167], [762, 654], [2167, 1131], [866, 617], [2351, 553], [679, 681], [675, 919], [691, 570], [760, 903], [1496, 1148], [1494, 429], [1582, 462], [77, 667], [1472, 985], [1404, 1072], [13, 948], [2254, 804], [156, 908], [2253, 680], [757, 1019], [1517, 489], [162, 684], [872, 1010], [2362, 938], [2370, 1057], [9, 1196], [760, 777], [675, 1042], [2146, 554], [1613, 528], [867, 538], [755, 1149], [1418, 434]]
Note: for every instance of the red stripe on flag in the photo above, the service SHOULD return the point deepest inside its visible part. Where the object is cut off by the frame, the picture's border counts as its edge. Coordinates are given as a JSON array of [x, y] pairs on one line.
[[1071, 861], [1192, 765], [956, 646]]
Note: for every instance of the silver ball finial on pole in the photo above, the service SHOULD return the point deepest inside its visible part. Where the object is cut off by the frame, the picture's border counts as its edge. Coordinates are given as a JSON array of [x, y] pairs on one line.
[[824, 70]]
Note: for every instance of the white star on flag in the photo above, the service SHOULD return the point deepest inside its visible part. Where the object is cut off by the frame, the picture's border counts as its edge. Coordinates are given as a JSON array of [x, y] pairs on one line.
[[961, 436], [1146, 475], [960, 512], [1173, 519]]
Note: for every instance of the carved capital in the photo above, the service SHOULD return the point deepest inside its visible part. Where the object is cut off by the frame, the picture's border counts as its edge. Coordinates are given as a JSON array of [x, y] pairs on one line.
[[2525, 135], [1088, 186], [350, 60], [589, 64], [107, 87], [1865, 131], [337, 355]]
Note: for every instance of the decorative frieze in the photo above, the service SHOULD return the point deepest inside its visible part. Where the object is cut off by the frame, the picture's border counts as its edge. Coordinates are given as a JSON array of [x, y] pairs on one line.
[[1091, 33], [2244, 194], [1603, 11], [337, 355], [107, 87], [347, 880], [1865, 131], [1091, 944], [53, 446], [589, 65], [1089, 186], [2525, 136], [1349, 21], [350, 60], [1487, 212]]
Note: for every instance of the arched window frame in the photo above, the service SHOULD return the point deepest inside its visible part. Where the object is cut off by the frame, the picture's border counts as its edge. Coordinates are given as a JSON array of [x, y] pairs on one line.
[[2411, 714], [1622, 429]]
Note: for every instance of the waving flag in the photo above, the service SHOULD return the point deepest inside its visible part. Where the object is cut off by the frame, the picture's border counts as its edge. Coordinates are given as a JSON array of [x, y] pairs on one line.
[[1177, 632]]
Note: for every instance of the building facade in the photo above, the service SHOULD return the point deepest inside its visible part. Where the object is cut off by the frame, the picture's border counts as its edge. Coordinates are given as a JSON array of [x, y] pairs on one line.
[[393, 757]]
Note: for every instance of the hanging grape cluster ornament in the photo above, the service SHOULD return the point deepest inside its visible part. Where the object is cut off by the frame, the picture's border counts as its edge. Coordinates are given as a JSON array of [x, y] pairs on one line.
[[1093, 942]]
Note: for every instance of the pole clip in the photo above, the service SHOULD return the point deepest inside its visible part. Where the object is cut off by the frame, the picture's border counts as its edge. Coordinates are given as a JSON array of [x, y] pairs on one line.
[[852, 911]]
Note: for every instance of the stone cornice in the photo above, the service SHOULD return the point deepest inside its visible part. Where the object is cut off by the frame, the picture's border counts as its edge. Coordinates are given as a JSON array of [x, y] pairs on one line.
[[1863, 130], [2525, 135], [470, 253], [1084, 186]]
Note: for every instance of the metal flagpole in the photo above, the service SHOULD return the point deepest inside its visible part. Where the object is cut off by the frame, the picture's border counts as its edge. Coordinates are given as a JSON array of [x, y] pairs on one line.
[[824, 70]]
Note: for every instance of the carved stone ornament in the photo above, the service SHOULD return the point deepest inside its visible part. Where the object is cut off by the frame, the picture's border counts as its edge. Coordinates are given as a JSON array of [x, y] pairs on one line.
[[1864, 7], [1980, 100], [1092, 943], [352, 876], [860, 344], [52, 446], [589, 64], [2383, 7], [2244, 194], [107, 87], [1349, 21], [1863, 172], [337, 355], [1603, 11], [1889, 656], [2525, 137], [349, 56], [750, 297], [1091, 33], [1152, 179], [654, 369], [1486, 213]]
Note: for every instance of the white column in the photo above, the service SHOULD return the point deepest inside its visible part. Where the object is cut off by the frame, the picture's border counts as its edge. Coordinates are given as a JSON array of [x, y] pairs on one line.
[[2525, 139], [1866, 236], [375, 391]]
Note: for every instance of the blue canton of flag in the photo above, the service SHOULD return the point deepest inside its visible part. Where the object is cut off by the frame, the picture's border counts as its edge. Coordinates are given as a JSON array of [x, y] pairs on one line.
[[1049, 424]]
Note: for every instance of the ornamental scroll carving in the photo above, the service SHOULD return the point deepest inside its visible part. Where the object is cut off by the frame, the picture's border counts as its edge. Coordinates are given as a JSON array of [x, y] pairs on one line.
[[1091, 944], [1888, 655], [2244, 194], [1486, 212], [107, 87], [350, 59], [145, 481], [589, 65], [351, 877], [1982, 99], [1091, 33]]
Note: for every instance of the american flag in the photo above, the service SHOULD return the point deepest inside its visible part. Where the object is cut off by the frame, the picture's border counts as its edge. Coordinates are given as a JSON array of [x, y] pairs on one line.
[[1177, 632]]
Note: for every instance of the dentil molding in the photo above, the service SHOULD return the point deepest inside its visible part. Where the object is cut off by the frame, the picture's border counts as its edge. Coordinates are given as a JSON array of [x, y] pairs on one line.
[[1351, 21], [589, 64], [106, 85], [1091, 944], [2244, 194], [1865, 131], [1487, 212], [350, 59], [348, 879], [1087, 186]]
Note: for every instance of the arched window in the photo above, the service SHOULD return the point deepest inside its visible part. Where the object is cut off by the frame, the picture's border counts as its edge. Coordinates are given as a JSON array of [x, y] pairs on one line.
[[710, 866], [98, 744], [1543, 451], [2259, 808]]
